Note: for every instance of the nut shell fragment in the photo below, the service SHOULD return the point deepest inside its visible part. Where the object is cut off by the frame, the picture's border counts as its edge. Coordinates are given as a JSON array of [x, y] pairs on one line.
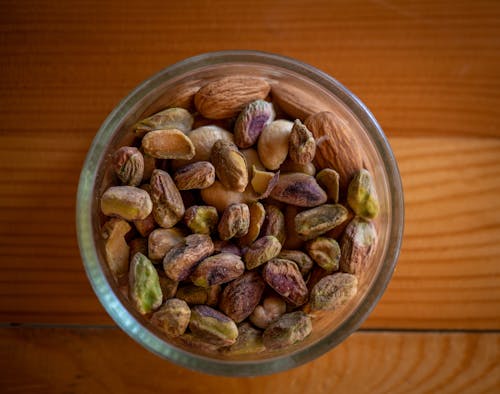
[[168, 144]]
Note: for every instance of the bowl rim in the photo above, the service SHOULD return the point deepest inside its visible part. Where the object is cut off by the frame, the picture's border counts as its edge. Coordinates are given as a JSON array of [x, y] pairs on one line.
[[128, 323]]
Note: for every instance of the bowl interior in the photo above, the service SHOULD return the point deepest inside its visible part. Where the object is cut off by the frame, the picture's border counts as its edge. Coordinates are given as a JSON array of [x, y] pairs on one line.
[[158, 93]]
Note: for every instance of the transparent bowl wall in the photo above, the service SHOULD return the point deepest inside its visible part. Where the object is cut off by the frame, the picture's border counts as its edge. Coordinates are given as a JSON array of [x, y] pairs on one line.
[[155, 94]]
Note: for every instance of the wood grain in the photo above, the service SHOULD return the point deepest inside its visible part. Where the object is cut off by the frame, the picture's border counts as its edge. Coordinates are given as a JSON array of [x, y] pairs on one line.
[[427, 67], [447, 275], [428, 70], [106, 360]]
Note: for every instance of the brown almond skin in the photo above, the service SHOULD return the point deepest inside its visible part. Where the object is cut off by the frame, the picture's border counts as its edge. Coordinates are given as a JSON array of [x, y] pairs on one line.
[[225, 97], [299, 189], [242, 295], [336, 148], [295, 102], [285, 278], [181, 260]]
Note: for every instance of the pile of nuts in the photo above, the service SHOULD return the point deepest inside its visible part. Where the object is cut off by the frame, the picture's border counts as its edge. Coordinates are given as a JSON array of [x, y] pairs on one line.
[[227, 240]]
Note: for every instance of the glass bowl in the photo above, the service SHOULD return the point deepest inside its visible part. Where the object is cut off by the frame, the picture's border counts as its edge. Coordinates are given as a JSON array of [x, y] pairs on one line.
[[155, 94]]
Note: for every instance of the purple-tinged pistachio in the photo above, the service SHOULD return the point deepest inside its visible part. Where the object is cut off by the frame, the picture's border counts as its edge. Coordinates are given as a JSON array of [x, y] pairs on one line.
[[287, 330], [213, 326], [234, 222], [180, 260], [199, 175], [168, 144], [274, 223], [128, 164], [126, 202], [261, 251], [271, 309], [230, 165], [357, 246], [316, 221], [303, 261], [257, 216], [251, 121], [299, 189], [173, 317], [201, 219], [249, 341], [333, 291], [170, 118], [115, 246], [217, 269], [329, 180], [161, 240], [361, 195], [285, 278], [302, 146], [144, 284], [242, 295], [168, 207], [325, 252]]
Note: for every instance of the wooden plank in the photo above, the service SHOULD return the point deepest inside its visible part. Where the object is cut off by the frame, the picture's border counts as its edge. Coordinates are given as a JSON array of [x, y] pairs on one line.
[[447, 275], [61, 360], [422, 67]]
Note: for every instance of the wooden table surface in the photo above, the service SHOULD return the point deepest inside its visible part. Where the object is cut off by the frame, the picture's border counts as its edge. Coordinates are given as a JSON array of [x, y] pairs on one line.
[[428, 70]]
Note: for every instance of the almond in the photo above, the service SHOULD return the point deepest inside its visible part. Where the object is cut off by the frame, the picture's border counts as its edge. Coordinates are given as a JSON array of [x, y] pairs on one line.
[[225, 97], [296, 102], [336, 147]]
